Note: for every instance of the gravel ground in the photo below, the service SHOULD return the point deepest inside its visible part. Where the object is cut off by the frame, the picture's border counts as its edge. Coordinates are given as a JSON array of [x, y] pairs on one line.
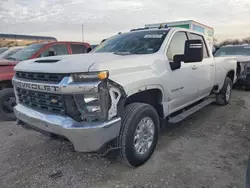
[[209, 150]]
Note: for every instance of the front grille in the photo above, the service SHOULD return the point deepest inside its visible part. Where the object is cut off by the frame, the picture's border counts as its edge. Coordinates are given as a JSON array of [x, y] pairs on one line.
[[44, 101], [50, 77], [59, 104]]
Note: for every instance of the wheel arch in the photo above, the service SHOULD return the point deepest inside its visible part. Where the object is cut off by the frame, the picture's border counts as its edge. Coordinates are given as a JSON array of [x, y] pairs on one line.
[[150, 94], [5, 84], [231, 75]]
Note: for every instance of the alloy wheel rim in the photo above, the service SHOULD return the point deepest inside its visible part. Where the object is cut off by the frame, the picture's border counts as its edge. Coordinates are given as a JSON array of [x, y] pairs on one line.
[[144, 135]]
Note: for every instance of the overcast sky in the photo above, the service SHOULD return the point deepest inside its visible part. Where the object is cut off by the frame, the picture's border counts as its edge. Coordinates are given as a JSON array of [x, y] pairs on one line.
[[103, 18]]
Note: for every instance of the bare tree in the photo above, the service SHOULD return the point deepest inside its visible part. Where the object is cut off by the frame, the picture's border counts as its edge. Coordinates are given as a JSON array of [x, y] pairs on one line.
[[233, 42]]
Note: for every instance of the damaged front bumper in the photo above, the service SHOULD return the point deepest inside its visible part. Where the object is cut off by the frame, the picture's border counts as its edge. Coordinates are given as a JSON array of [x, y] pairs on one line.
[[49, 108], [85, 137]]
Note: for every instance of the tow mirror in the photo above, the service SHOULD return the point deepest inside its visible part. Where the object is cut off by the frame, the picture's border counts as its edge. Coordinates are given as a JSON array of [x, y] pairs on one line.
[[193, 51]]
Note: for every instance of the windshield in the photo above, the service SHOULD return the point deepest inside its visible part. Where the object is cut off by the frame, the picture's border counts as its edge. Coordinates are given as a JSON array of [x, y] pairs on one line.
[[3, 50], [142, 42], [233, 50], [27, 52], [8, 53]]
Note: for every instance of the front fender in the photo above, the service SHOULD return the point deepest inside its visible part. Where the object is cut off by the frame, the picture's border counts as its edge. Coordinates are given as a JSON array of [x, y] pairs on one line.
[[6, 76], [143, 88], [6, 73]]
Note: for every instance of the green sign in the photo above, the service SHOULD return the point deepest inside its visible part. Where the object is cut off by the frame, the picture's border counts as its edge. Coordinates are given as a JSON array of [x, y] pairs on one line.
[[186, 26]]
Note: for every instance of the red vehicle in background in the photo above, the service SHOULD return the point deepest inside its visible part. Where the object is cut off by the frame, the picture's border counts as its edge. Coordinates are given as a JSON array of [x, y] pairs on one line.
[[7, 97]]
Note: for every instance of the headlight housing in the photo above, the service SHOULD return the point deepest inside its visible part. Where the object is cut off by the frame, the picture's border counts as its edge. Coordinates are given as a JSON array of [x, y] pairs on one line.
[[90, 76], [93, 105]]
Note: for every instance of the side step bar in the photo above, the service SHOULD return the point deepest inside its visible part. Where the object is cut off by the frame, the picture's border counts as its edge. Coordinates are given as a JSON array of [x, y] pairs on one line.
[[190, 111]]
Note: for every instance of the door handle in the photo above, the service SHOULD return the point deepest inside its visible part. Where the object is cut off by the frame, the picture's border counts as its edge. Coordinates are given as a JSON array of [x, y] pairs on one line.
[[212, 65], [194, 67]]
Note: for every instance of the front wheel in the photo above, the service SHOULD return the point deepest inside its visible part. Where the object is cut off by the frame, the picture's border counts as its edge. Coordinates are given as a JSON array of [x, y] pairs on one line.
[[224, 96], [7, 102], [139, 134]]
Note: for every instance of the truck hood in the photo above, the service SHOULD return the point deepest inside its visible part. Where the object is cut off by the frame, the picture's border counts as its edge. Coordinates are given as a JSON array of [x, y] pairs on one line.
[[7, 62], [84, 63]]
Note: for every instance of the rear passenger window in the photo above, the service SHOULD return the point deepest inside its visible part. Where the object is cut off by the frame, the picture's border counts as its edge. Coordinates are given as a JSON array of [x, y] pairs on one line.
[[78, 48], [195, 36]]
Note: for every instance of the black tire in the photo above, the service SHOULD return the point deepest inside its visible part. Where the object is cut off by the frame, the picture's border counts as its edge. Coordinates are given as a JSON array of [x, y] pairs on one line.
[[221, 98], [133, 114], [6, 112]]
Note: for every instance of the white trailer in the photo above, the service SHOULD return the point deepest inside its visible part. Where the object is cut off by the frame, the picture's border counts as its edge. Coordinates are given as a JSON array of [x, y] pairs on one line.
[[207, 31]]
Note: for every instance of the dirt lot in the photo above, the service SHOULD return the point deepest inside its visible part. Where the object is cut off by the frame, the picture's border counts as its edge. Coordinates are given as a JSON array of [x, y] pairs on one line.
[[209, 150]]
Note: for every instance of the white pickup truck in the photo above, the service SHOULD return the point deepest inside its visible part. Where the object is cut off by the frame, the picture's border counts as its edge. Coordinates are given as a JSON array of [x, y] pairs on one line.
[[242, 54], [118, 96]]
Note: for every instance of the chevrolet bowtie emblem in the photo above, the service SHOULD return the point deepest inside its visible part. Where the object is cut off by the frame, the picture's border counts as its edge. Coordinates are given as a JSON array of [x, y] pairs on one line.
[[53, 101]]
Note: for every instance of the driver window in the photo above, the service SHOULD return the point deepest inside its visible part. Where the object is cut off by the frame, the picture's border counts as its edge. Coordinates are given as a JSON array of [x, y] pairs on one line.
[[177, 45], [57, 49]]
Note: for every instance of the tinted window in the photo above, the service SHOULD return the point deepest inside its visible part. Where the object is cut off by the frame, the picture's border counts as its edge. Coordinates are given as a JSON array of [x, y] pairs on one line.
[[233, 50], [58, 49], [195, 36], [8, 53], [27, 52], [3, 50], [138, 42], [177, 45], [78, 48]]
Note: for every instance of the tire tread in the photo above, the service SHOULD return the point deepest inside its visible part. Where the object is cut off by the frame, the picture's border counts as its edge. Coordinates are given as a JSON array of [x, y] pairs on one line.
[[126, 120]]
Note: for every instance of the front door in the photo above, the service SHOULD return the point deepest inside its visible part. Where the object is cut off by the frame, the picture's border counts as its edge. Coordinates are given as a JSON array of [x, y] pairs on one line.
[[182, 83]]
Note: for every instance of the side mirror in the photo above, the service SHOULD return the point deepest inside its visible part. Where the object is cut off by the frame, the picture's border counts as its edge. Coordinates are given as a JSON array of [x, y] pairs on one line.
[[193, 51], [176, 64], [52, 53]]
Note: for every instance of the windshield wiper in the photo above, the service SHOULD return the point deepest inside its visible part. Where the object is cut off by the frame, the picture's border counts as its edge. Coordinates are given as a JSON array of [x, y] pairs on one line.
[[123, 53]]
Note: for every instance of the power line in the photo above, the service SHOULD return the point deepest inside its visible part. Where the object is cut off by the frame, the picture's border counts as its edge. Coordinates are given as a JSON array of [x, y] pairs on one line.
[[82, 34]]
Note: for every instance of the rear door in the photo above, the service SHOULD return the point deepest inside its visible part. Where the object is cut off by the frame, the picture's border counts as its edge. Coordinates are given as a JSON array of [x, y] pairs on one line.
[[205, 70], [57, 49], [78, 48]]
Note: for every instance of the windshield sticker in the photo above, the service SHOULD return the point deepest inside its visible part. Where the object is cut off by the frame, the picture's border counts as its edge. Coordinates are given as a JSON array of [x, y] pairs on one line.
[[153, 36]]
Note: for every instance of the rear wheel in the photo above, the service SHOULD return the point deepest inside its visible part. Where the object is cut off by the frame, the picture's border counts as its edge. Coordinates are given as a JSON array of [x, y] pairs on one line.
[[7, 102], [139, 134], [224, 96]]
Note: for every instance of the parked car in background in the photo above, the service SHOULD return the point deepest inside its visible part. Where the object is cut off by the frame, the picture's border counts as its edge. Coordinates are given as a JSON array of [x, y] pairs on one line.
[[10, 52], [242, 54], [3, 49], [7, 98]]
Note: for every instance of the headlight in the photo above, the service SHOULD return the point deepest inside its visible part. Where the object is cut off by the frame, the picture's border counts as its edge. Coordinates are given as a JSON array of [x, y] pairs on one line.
[[93, 106], [90, 76]]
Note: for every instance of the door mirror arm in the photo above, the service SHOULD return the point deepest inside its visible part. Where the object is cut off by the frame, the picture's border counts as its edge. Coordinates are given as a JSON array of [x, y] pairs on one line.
[[176, 63]]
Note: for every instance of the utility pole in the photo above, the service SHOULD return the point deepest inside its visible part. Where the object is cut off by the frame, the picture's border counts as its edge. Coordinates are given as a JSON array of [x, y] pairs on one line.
[[82, 34]]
